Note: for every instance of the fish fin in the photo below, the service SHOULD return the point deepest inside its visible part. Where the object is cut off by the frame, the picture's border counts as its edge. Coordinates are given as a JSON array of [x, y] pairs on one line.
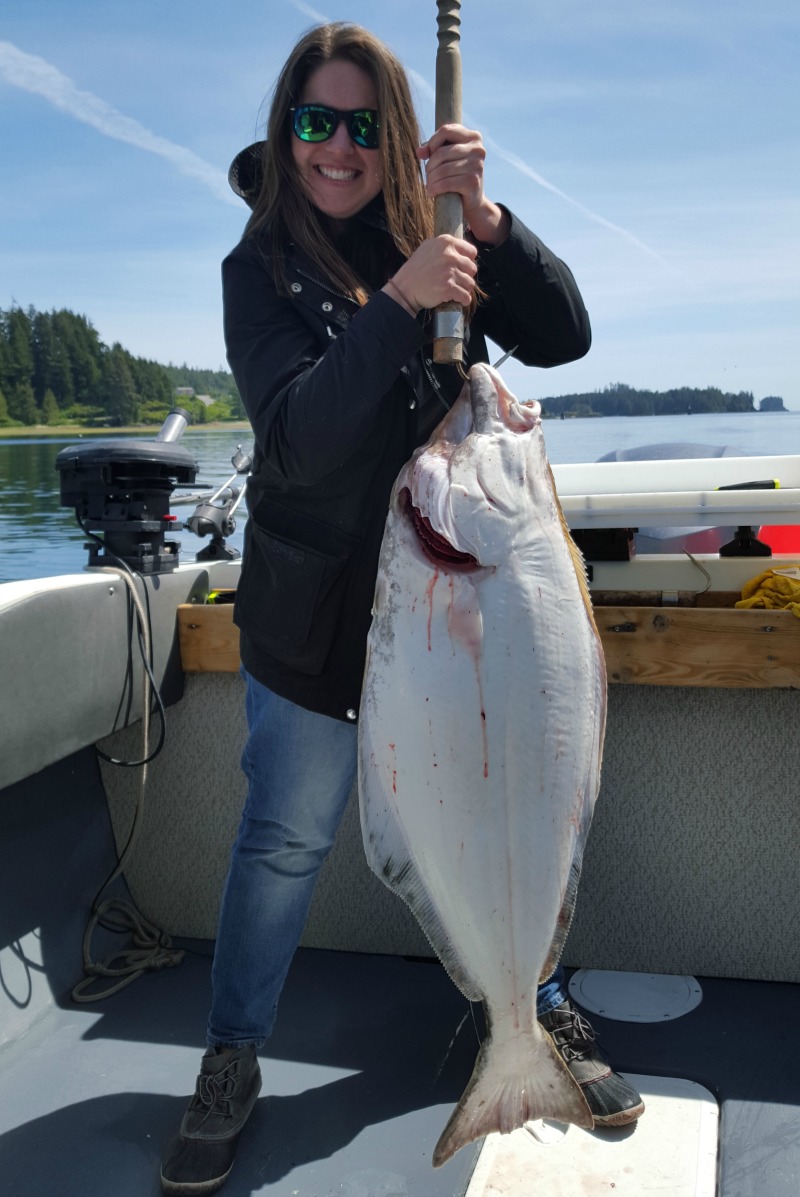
[[564, 920], [577, 556], [513, 1083], [390, 858], [430, 922]]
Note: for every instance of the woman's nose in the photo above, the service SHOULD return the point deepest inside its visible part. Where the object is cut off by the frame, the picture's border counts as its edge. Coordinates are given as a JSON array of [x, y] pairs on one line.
[[341, 139]]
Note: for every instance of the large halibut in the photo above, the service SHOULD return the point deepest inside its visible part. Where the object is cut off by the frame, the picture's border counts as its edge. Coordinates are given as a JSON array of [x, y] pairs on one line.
[[481, 733]]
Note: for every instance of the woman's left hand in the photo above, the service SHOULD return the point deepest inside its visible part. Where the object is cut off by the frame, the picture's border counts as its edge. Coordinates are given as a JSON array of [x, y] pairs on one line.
[[454, 158]]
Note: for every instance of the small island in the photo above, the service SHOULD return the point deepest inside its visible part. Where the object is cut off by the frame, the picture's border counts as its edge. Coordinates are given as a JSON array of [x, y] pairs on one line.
[[621, 400]]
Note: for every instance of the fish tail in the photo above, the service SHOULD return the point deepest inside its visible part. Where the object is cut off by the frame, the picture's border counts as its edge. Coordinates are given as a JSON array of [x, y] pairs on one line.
[[513, 1082]]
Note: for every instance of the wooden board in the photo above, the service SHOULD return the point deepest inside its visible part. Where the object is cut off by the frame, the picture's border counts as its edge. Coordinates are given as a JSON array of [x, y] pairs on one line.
[[644, 645], [208, 637], [700, 646]]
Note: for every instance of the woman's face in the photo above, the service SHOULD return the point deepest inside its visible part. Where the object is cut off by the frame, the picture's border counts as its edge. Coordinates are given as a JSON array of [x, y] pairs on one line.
[[338, 175]]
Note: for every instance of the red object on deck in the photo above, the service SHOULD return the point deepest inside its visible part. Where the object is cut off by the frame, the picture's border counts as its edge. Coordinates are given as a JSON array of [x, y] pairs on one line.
[[781, 538]]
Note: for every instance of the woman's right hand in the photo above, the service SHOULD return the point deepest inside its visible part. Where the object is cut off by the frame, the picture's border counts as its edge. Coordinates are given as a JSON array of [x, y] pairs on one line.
[[442, 269]]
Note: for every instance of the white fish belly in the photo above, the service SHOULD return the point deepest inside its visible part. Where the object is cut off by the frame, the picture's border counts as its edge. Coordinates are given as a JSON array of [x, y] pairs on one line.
[[480, 756]]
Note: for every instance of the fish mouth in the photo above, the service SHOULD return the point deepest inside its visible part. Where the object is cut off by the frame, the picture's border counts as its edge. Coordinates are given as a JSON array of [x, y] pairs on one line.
[[436, 548]]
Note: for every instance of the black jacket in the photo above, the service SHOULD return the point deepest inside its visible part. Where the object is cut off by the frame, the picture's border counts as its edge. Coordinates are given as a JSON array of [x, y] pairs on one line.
[[339, 397]]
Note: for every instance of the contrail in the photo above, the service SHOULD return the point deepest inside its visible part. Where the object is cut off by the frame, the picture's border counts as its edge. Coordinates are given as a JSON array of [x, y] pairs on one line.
[[34, 74], [513, 160], [524, 169], [317, 17]]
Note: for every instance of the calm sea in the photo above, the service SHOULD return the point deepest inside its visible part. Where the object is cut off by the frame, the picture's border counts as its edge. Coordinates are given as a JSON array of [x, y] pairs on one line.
[[40, 538]]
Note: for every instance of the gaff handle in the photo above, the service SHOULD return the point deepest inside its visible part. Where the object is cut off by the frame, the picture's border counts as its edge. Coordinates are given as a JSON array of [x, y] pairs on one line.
[[448, 210]]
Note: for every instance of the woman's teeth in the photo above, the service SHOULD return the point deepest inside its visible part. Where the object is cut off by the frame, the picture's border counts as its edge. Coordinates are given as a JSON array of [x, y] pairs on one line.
[[329, 172]]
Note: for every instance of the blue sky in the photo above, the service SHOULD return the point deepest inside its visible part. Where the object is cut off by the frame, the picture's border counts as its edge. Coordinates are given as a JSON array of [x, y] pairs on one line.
[[653, 144]]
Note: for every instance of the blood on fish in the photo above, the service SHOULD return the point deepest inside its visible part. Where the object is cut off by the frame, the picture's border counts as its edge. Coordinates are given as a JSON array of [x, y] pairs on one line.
[[429, 590]]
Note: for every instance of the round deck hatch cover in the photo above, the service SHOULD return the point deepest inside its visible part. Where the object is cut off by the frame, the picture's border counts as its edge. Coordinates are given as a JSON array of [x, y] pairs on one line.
[[635, 997]]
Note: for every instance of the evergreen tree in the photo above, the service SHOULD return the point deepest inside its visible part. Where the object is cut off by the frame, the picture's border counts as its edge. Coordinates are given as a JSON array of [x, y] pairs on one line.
[[22, 404], [61, 376], [4, 416], [119, 391], [3, 354], [19, 357], [43, 348], [152, 385], [50, 409], [82, 352]]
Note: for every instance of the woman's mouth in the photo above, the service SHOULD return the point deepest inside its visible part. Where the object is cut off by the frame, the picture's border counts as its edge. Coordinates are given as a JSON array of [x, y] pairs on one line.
[[336, 174]]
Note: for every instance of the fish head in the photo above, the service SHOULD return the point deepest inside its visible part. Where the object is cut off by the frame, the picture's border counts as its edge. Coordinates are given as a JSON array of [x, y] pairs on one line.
[[472, 491]]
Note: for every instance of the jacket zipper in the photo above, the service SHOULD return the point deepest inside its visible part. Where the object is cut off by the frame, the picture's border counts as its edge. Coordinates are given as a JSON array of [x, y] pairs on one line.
[[324, 286]]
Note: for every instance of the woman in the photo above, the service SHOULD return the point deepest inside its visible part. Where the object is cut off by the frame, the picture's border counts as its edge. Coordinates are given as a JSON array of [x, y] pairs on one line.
[[326, 322]]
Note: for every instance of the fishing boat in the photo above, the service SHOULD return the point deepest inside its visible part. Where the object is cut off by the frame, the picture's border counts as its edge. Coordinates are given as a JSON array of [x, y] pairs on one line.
[[684, 948]]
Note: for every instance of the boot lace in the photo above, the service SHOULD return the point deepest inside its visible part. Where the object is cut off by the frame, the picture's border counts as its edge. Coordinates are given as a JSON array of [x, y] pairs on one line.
[[574, 1035], [214, 1091]]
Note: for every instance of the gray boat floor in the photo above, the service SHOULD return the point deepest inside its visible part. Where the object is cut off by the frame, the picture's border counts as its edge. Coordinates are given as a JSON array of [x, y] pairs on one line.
[[359, 1080], [369, 1054]]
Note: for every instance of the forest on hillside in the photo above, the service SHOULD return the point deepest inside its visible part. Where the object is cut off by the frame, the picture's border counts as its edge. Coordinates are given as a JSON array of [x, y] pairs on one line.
[[54, 369]]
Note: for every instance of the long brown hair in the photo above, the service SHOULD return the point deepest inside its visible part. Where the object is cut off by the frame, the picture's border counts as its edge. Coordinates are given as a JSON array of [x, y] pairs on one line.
[[282, 206]]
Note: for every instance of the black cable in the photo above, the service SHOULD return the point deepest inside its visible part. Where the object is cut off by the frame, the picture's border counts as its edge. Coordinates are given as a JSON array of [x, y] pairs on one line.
[[147, 660]]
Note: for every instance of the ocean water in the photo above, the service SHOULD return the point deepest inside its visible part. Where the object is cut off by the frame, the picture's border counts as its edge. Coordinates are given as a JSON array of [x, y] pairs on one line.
[[40, 538]]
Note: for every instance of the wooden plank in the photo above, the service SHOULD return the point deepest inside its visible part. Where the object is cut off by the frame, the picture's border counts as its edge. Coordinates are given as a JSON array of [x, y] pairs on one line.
[[208, 638], [650, 646], [709, 646]]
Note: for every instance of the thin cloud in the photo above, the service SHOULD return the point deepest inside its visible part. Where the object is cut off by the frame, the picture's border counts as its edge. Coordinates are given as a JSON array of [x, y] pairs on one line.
[[524, 169], [518, 164], [34, 74]]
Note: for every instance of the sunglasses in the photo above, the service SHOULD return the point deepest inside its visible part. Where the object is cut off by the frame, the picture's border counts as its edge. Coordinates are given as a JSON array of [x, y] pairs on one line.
[[316, 122]]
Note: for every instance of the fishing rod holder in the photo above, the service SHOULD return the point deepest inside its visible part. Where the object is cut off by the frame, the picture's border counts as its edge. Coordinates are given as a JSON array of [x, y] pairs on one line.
[[120, 490], [214, 516]]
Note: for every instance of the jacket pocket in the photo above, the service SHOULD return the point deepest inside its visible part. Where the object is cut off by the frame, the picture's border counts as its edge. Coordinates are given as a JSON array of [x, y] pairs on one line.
[[290, 595]]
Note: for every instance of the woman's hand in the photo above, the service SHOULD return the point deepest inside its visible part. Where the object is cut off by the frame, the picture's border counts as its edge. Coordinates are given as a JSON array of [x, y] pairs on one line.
[[442, 269], [454, 158]]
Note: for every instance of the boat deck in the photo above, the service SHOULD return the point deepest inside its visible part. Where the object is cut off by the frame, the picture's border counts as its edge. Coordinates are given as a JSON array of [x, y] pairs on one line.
[[369, 1055]]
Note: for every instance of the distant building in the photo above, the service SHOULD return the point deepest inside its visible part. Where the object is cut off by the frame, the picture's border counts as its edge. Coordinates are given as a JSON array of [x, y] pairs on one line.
[[185, 392], [206, 400]]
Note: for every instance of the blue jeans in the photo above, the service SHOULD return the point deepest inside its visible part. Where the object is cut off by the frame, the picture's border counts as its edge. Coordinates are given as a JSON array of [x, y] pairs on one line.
[[300, 768]]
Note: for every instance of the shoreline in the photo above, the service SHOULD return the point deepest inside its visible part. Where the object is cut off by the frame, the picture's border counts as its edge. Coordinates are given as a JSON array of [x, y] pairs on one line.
[[78, 431]]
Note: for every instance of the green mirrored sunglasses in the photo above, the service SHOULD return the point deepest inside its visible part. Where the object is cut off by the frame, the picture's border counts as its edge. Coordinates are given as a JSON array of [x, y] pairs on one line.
[[317, 122]]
